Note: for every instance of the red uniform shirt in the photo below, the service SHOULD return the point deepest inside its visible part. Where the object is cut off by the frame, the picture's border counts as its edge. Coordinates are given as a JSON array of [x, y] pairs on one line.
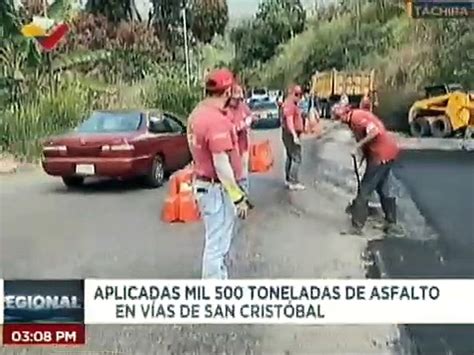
[[292, 118], [383, 147], [210, 131], [243, 132]]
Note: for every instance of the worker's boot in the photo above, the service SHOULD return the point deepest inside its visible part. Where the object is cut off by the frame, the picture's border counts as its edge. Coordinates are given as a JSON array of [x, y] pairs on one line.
[[359, 212], [391, 228], [349, 208]]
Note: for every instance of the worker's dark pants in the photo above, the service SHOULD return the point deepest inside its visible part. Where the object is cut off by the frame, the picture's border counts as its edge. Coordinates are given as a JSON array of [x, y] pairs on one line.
[[377, 177], [293, 157]]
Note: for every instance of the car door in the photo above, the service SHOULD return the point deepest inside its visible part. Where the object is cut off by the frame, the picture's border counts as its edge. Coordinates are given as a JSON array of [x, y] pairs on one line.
[[180, 142], [161, 140]]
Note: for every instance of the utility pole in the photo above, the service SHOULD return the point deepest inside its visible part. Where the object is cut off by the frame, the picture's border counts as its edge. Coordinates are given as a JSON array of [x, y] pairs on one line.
[[186, 50], [49, 58]]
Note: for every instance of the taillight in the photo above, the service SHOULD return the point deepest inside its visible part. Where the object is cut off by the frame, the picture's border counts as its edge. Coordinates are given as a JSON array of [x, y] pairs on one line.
[[118, 148], [55, 148]]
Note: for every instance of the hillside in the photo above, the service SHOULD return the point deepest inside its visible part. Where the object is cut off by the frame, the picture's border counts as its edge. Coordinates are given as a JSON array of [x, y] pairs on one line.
[[407, 54]]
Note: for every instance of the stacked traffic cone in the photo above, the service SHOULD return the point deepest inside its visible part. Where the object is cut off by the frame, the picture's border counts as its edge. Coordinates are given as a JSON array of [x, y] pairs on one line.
[[261, 157], [180, 205]]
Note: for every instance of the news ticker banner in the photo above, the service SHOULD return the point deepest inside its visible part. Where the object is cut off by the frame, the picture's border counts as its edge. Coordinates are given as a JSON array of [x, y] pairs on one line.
[[422, 9], [56, 311]]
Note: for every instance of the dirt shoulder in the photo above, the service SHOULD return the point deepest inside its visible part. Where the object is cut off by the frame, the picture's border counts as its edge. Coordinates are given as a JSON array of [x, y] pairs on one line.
[[9, 164]]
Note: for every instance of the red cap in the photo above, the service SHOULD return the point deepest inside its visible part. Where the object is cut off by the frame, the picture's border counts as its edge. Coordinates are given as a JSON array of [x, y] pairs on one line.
[[219, 80]]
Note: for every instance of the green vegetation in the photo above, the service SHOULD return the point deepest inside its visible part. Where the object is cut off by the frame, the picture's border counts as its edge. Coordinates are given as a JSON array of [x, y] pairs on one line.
[[112, 59], [364, 34]]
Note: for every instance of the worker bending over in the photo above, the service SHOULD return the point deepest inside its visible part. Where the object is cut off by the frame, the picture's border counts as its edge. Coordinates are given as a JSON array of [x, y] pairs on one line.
[[217, 169], [242, 120], [380, 151], [292, 128]]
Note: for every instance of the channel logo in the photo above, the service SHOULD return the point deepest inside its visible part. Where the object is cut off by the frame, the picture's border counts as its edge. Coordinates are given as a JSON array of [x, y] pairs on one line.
[[43, 301], [440, 8]]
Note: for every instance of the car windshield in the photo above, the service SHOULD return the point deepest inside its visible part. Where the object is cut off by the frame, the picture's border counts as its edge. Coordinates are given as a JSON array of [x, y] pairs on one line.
[[105, 122], [263, 105], [259, 92]]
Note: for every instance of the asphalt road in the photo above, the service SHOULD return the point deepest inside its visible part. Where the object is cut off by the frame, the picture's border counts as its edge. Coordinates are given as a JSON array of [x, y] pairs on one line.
[[436, 207], [441, 183], [113, 230]]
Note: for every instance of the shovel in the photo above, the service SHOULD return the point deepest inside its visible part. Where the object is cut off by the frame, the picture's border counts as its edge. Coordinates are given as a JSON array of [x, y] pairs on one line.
[[356, 172]]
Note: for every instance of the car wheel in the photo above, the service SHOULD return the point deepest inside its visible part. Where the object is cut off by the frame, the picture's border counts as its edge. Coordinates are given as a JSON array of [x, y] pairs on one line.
[[156, 175], [73, 181]]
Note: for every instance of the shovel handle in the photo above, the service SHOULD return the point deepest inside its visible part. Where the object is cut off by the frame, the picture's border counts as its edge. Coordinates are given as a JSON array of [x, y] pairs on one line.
[[356, 171]]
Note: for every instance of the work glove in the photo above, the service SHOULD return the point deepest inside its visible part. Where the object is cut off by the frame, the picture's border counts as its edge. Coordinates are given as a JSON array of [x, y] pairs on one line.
[[356, 151], [240, 200], [296, 139], [242, 207]]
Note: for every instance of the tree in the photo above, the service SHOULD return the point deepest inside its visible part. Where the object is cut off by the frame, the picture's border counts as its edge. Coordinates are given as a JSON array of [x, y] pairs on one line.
[[286, 17], [114, 10], [166, 18], [276, 22], [208, 18]]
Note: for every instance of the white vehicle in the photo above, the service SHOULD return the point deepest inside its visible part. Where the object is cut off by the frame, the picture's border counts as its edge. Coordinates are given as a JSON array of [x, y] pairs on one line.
[[274, 95], [259, 94]]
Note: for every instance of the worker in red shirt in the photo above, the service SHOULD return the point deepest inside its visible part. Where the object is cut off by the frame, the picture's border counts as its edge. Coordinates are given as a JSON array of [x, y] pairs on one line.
[[242, 119], [217, 169], [292, 128], [380, 150]]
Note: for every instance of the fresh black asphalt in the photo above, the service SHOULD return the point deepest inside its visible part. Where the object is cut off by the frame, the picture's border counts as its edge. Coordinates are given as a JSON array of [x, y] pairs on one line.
[[442, 186]]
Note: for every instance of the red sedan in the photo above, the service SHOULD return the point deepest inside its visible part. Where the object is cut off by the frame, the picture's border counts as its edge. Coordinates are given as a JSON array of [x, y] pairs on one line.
[[119, 144]]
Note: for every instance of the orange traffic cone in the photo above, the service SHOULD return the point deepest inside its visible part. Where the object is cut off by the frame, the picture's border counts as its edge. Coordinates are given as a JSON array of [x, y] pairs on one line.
[[183, 176], [187, 208], [170, 212], [178, 178], [174, 186], [261, 157]]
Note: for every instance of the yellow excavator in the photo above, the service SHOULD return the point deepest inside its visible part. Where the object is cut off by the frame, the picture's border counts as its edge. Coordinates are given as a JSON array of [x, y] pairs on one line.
[[447, 110]]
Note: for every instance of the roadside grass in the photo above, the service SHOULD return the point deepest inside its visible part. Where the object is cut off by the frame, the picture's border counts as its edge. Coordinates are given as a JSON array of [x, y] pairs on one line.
[[25, 124]]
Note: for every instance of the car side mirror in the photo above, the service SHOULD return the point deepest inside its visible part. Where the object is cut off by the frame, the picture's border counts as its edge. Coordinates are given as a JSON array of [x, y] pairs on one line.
[[154, 125]]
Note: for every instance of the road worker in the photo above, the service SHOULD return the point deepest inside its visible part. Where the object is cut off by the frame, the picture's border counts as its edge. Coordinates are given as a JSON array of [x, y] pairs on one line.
[[292, 128], [380, 150], [242, 119], [367, 102], [217, 169], [344, 100]]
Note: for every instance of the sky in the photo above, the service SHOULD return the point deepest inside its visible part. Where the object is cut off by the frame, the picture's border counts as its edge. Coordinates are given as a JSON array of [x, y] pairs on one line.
[[237, 8], [244, 8]]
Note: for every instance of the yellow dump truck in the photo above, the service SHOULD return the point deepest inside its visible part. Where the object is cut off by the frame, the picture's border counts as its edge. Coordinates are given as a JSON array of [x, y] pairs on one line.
[[328, 87], [445, 111]]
